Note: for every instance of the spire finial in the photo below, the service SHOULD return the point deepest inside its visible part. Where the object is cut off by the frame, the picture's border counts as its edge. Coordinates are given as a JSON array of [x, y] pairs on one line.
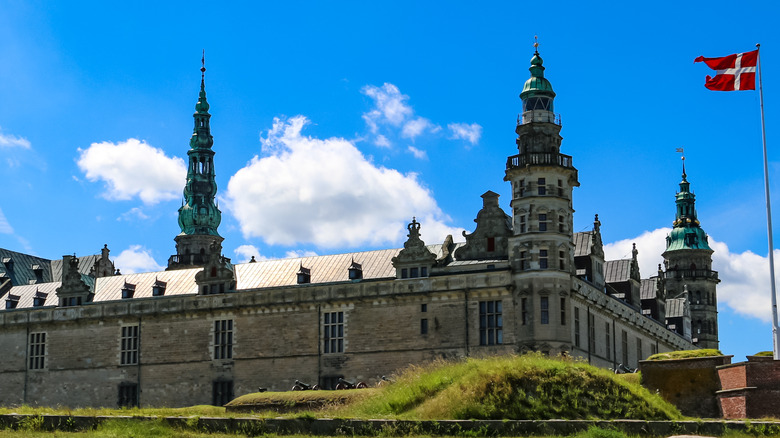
[[536, 44], [682, 152], [203, 65]]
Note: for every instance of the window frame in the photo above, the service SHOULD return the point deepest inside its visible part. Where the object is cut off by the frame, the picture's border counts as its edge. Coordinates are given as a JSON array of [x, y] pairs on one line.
[[333, 332], [224, 330], [491, 323], [129, 343], [37, 350]]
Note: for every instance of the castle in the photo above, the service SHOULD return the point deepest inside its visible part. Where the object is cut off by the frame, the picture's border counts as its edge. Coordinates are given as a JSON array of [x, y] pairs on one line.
[[75, 332]]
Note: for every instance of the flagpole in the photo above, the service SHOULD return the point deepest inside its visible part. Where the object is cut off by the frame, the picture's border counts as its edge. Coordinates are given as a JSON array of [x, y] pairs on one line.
[[775, 329]]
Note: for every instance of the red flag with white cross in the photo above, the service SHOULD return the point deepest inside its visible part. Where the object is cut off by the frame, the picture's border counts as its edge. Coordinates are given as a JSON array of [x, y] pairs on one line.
[[732, 73]]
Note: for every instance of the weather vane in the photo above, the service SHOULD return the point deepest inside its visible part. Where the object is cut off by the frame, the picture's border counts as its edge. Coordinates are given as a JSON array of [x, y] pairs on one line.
[[681, 151], [536, 44]]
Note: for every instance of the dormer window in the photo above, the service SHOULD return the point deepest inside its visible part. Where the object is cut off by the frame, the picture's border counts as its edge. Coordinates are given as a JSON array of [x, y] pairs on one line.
[[38, 271], [128, 290], [304, 275], [12, 301], [355, 271], [9, 263], [39, 300], [158, 288]]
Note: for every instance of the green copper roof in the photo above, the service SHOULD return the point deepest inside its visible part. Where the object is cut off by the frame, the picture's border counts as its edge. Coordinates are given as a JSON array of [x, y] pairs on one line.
[[687, 232], [199, 214], [537, 85]]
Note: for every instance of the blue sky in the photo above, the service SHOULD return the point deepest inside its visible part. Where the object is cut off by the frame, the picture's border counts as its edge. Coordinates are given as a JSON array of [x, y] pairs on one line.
[[335, 123]]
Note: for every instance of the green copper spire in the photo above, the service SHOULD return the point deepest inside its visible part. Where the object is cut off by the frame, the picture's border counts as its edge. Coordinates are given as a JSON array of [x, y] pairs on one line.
[[199, 215], [687, 232], [537, 92]]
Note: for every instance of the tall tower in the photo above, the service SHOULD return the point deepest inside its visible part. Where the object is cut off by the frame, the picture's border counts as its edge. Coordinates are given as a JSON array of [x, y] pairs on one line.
[[199, 216], [541, 251], [688, 260]]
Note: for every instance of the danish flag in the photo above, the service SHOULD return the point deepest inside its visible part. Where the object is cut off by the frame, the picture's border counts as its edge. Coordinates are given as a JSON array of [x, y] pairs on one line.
[[732, 73]]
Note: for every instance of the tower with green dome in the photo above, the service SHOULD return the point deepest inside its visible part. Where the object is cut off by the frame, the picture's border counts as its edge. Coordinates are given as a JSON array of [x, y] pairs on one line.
[[199, 216], [541, 249], [688, 260]]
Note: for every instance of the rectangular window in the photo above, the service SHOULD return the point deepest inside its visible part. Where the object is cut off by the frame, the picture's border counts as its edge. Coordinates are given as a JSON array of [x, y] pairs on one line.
[[542, 222], [423, 307], [424, 271], [577, 326], [128, 346], [561, 260], [542, 259], [128, 395], [563, 311], [541, 185], [414, 272], [639, 353], [560, 224], [491, 323], [522, 187], [423, 326], [37, 356], [221, 392], [223, 339], [624, 342], [522, 224], [334, 332], [524, 310], [560, 188], [491, 244], [608, 338], [545, 308], [653, 349], [591, 333], [523, 260], [404, 273]]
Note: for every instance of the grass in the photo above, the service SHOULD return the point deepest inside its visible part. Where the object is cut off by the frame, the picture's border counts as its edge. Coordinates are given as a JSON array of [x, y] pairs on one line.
[[531, 386], [764, 353], [200, 411], [298, 400], [686, 354]]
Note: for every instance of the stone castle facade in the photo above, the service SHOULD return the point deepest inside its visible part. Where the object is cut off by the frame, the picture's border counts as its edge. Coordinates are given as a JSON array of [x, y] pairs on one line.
[[78, 333]]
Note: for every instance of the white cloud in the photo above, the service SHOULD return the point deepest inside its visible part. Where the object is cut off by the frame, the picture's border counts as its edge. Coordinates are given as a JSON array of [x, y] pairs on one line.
[[136, 259], [325, 192], [389, 106], [419, 154], [10, 141], [416, 127], [5, 226], [133, 214], [246, 252], [299, 253], [464, 131], [382, 141], [744, 276], [134, 168]]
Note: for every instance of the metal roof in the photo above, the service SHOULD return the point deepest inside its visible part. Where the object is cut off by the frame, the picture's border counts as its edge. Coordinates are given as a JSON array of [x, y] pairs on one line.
[[25, 265], [177, 282], [648, 288], [582, 242], [675, 308], [616, 271]]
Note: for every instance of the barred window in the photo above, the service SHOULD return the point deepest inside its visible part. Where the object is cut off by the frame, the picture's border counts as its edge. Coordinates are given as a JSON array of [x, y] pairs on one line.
[[541, 186], [128, 395], [491, 323], [333, 329], [37, 356], [542, 221], [563, 311], [524, 310], [577, 326], [221, 392], [223, 339], [128, 348], [545, 308]]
